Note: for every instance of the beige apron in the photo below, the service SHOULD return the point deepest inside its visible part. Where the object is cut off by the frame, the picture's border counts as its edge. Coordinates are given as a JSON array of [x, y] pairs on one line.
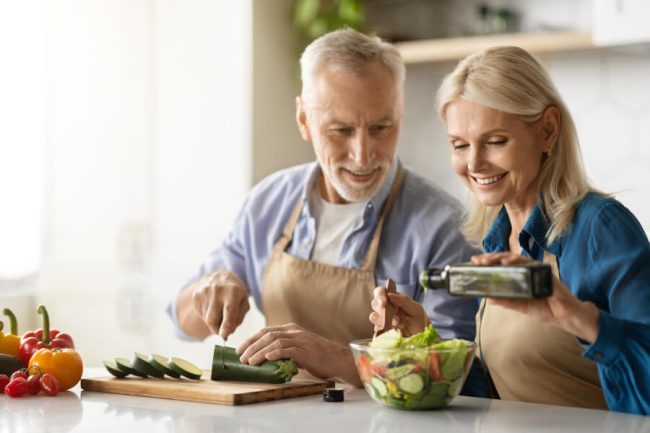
[[536, 362], [330, 301]]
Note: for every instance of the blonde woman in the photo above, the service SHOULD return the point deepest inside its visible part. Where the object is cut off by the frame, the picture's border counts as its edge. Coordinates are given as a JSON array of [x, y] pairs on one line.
[[514, 145]]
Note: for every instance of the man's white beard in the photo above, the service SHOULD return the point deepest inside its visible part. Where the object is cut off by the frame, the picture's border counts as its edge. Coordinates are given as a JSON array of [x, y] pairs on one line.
[[353, 193]]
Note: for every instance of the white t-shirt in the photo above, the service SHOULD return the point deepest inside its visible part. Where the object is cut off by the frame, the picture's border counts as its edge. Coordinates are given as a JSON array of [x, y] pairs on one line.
[[334, 222]]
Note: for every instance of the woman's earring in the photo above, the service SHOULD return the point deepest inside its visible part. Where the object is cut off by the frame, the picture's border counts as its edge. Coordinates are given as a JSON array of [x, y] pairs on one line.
[[549, 152]]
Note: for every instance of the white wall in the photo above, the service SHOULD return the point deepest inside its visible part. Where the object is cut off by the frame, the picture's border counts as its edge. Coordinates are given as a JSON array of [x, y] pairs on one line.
[[147, 160], [276, 141]]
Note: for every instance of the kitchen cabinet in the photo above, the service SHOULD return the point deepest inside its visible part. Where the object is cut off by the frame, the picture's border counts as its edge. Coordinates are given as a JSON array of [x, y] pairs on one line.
[[621, 21], [445, 31]]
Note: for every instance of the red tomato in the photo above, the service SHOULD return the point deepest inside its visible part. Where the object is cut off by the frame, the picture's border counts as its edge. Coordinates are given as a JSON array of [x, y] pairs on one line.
[[33, 384], [434, 366], [364, 368], [49, 384], [4, 380], [16, 387], [19, 373]]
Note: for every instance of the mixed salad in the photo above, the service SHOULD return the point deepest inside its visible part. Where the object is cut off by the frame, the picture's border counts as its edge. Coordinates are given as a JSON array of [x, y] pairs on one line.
[[418, 372]]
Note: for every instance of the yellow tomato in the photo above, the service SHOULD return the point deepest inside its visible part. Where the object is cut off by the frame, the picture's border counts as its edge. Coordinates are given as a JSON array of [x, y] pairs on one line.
[[64, 364]]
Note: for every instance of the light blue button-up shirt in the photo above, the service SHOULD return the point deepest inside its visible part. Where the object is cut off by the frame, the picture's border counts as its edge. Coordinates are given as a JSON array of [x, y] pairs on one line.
[[421, 231], [604, 258]]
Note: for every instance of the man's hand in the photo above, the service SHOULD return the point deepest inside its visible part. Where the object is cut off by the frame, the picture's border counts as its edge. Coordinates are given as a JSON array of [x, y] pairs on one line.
[[409, 317], [321, 357], [215, 304], [561, 309]]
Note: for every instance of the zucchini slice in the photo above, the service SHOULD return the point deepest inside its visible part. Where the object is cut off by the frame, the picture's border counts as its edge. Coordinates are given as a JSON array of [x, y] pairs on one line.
[[126, 366], [185, 368], [141, 364], [411, 384], [114, 369], [227, 366], [161, 363]]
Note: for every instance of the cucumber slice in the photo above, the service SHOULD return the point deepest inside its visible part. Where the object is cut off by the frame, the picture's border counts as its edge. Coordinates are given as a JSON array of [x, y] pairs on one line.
[[185, 368], [114, 369], [161, 363], [141, 364], [126, 366], [398, 372], [411, 384], [379, 386]]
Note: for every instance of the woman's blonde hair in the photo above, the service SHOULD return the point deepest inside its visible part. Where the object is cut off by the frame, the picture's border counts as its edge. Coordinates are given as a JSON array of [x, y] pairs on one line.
[[511, 80]]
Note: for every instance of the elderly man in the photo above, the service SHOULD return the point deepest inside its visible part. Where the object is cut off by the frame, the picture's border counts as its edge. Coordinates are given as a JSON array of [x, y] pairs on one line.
[[311, 242]]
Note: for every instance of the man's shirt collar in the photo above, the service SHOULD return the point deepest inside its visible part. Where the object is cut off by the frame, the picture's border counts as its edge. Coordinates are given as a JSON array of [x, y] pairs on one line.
[[373, 205]]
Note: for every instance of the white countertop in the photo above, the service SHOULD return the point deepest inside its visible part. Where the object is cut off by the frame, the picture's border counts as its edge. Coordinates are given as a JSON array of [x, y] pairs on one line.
[[83, 411]]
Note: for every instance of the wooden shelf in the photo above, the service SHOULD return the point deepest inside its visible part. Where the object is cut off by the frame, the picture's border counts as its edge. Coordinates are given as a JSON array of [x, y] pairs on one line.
[[452, 49]]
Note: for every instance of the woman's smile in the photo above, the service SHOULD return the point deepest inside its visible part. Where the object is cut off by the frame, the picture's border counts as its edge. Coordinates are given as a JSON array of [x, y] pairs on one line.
[[488, 181]]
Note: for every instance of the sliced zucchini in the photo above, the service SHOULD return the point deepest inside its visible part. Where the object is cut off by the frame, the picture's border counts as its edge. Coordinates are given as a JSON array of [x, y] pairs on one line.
[[126, 366], [185, 368], [114, 369], [161, 363], [379, 386], [141, 364], [411, 384]]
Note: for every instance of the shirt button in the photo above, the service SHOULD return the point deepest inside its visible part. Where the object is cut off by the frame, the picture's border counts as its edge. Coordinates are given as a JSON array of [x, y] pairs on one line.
[[306, 241], [598, 356]]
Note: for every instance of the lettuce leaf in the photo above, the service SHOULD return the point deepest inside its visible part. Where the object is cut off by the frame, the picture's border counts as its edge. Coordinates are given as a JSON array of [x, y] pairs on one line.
[[422, 339]]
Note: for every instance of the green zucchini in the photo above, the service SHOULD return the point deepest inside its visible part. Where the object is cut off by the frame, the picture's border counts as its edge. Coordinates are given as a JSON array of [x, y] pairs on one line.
[[141, 364], [185, 368], [411, 384], [9, 364], [161, 363], [115, 370], [226, 366], [126, 366]]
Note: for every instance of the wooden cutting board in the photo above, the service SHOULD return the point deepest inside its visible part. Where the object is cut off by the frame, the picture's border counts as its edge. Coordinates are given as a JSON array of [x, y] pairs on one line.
[[206, 390]]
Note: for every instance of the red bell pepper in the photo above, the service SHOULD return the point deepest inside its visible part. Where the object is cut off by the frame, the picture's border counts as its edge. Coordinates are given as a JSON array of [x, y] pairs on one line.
[[44, 338]]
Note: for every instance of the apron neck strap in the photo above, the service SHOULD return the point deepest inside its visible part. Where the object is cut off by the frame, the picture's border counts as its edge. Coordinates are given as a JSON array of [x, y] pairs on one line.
[[370, 261]]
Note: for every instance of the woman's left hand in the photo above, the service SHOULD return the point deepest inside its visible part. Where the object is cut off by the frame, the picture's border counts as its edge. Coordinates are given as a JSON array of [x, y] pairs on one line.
[[561, 309]]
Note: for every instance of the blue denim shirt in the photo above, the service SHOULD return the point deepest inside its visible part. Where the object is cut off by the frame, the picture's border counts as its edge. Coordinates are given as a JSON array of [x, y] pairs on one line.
[[604, 258], [421, 231]]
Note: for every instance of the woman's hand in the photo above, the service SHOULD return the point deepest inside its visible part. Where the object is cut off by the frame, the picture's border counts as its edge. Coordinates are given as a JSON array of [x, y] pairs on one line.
[[409, 317], [561, 309]]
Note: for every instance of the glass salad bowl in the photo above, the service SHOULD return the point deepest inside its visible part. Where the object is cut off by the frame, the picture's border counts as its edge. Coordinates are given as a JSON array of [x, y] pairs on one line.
[[413, 377]]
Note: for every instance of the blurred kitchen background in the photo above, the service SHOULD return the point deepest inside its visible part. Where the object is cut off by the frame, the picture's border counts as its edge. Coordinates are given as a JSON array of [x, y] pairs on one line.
[[131, 130]]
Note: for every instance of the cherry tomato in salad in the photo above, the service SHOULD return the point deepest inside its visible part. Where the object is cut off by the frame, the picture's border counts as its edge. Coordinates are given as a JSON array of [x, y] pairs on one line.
[[49, 384], [17, 387]]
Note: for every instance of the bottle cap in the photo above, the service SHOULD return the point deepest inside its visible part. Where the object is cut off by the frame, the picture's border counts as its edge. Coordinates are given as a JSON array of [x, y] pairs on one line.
[[333, 394]]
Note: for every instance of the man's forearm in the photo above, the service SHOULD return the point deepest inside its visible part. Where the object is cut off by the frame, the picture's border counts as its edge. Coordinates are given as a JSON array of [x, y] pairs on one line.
[[188, 318]]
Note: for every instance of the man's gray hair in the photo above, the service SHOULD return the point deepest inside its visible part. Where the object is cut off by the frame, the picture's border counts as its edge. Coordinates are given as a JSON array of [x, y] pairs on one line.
[[350, 51]]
